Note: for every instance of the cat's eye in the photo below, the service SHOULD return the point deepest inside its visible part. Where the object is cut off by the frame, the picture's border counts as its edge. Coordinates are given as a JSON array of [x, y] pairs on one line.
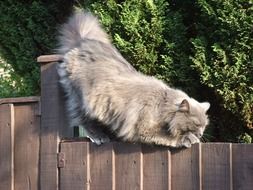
[[197, 124]]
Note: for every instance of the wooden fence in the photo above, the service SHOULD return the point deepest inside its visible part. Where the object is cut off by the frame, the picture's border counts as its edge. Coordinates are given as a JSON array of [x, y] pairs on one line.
[[124, 166], [38, 152], [19, 143]]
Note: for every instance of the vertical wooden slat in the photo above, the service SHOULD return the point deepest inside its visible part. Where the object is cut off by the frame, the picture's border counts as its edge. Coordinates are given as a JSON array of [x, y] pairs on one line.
[[128, 166], [26, 162], [52, 99], [242, 159], [74, 175], [185, 168], [53, 125], [50, 123], [101, 167], [6, 146], [216, 166], [155, 168]]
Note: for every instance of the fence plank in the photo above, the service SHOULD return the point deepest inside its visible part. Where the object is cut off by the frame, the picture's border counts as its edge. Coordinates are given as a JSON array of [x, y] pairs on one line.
[[101, 167], [75, 174], [185, 171], [156, 168], [50, 123], [242, 166], [53, 126], [26, 162], [6, 146], [128, 166], [216, 166]]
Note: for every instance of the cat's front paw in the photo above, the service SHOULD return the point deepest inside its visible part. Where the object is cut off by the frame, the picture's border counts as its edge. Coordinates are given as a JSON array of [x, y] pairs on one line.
[[99, 140], [189, 139]]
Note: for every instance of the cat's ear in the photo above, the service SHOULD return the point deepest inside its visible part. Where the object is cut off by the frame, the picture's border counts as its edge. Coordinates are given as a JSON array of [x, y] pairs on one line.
[[205, 106], [184, 106]]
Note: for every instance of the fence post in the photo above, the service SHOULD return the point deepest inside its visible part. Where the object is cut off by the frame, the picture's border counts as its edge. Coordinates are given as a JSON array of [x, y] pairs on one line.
[[53, 123]]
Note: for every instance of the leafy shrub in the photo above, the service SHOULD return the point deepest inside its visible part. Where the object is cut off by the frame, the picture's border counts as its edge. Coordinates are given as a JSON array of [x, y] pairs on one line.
[[10, 82], [29, 31], [224, 54]]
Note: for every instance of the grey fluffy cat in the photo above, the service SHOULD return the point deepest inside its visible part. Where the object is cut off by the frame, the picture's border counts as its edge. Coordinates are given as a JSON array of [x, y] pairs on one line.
[[102, 87]]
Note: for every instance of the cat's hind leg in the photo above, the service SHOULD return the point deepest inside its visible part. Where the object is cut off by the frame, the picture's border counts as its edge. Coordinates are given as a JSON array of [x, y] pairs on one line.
[[94, 132]]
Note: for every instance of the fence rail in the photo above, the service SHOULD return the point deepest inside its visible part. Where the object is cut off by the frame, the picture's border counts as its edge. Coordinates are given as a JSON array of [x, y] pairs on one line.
[[19, 143]]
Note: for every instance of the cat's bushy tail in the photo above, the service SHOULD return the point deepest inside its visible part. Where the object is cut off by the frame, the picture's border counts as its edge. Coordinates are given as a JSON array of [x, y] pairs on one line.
[[82, 25]]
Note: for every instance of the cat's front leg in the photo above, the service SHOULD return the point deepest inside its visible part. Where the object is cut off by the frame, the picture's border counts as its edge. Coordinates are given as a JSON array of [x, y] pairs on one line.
[[159, 139], [188, 139]]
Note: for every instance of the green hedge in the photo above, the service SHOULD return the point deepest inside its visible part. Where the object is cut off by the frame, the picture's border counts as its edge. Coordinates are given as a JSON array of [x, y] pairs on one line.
[[224, 53], [27, 30], [203, 47]]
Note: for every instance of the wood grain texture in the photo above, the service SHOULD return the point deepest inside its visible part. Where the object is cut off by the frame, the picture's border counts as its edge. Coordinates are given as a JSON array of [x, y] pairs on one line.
[[101, 167], [53, 126], [216, 166], [75, 174], [26, 162], [128, 166], [50, 123], [156, 166], [185, 168], [6, 147], [242, 163]]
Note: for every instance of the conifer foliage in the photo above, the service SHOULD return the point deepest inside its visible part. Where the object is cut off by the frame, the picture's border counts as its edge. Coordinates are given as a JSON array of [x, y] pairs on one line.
[[224, 53]]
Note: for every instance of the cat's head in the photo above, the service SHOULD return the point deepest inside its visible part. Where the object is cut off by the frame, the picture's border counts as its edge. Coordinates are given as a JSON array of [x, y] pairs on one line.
[[190, 117]]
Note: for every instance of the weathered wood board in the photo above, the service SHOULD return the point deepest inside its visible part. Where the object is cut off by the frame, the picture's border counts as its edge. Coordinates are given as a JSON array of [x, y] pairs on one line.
[[6, 147], [116, 166]]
